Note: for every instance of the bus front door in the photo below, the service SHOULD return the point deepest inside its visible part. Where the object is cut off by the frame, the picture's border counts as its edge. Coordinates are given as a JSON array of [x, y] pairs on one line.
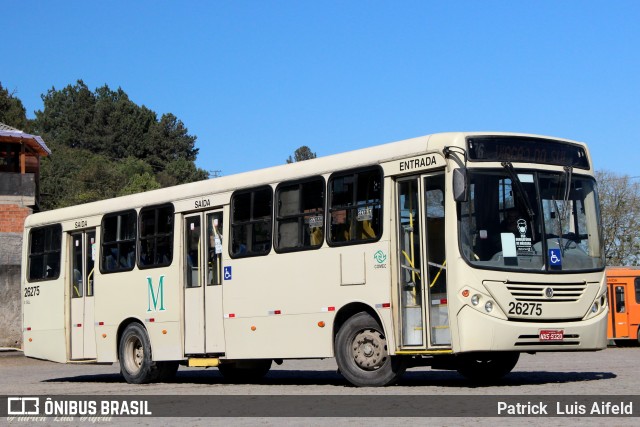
[[82, 327], [436, 262], [203, 327], [422, 263]]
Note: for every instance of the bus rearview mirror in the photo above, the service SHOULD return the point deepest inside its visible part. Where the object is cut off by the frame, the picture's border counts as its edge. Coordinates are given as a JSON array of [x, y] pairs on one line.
[[460, 184]]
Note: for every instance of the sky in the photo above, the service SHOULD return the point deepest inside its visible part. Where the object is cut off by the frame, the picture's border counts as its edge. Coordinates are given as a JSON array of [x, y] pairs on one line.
[[255, 80]]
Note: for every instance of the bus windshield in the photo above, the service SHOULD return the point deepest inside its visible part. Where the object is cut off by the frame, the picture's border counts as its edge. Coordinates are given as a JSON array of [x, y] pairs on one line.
[[527, 220]]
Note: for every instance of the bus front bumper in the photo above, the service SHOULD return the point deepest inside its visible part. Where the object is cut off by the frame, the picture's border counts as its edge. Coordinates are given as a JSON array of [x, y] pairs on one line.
[[486, 333]]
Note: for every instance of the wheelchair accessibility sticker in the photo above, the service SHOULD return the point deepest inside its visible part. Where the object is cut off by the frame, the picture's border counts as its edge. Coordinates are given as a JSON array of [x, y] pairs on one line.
[[555, 260], [227, 273]]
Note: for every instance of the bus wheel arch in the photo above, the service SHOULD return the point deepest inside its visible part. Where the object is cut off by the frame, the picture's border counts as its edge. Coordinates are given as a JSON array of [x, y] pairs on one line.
[[361, 352], [349, 311]]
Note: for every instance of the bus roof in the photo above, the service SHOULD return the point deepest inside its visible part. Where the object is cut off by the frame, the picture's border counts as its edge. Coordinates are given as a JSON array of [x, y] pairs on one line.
[[352, 159], [623, 271]]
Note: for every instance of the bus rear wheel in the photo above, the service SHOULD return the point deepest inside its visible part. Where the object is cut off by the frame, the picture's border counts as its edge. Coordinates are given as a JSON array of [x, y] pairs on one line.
[[487, 366], [362, 355], [136, 364]]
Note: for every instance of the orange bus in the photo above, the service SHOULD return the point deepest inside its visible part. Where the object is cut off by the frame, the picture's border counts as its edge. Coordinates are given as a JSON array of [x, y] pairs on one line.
[[624, 297]]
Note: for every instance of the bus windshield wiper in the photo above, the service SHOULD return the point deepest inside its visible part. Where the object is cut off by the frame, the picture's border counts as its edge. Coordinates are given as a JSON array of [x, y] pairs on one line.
[[564, 215], [522, 195]]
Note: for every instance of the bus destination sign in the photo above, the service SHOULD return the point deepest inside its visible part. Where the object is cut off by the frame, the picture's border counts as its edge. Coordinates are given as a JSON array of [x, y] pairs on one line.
[[527, 150]]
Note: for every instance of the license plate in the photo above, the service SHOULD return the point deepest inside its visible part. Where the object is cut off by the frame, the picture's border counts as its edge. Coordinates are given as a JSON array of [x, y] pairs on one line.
[[551, 335]]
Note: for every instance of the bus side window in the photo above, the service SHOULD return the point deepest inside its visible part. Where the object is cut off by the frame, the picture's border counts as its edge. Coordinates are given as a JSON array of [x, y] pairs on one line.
[[637, 286], [355, 206], [156, 236], [620, 306], [118, 242], [45, 245], [251, 217], [300, 215]]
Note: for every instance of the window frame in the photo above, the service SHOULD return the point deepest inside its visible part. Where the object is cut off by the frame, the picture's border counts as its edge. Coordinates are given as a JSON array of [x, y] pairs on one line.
[[277, 218], [250, 222], [156, 235], [354, 206], [45, 253], [103, 269]]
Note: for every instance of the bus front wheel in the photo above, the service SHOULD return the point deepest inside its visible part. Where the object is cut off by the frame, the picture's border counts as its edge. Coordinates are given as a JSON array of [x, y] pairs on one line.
[[489, 366], [362, 355], [136, 364]]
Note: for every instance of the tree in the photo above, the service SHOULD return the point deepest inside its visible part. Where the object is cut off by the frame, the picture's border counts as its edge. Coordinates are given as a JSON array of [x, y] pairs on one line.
[[12, 112], [104, 145], [620, 210], [301, 154]]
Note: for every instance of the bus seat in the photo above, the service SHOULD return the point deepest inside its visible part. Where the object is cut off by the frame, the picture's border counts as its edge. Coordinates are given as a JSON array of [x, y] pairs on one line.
[[367, 231], [316, 236]]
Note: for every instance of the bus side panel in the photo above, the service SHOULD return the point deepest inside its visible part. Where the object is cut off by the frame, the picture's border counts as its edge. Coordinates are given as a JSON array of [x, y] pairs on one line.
[[43, 311], [283, 305], [151, 297]]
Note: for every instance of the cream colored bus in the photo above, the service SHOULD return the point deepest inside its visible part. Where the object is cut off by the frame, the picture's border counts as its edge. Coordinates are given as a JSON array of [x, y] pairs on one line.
[[455, 251]]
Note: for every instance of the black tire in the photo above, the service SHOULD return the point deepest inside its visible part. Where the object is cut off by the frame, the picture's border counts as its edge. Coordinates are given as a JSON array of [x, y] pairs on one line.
[[136, 364], [362, 354], [487, 366], [245, 371]]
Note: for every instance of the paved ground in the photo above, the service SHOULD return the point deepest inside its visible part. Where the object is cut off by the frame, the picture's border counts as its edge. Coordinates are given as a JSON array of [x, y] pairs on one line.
[[614, 371]]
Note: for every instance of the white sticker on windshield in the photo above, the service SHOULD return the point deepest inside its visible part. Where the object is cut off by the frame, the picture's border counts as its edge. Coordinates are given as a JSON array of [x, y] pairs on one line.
[[508, 245], [525, 178]]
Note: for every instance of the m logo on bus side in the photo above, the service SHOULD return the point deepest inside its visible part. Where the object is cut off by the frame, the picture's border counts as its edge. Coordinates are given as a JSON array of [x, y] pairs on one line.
[[155, 297]]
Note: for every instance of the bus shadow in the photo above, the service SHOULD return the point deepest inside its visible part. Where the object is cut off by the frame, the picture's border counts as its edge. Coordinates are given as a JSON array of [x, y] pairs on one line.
[[446, 379], [452, 379]]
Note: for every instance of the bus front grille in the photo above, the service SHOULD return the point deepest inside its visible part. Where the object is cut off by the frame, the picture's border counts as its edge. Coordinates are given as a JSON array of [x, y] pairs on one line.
[[546, 292]]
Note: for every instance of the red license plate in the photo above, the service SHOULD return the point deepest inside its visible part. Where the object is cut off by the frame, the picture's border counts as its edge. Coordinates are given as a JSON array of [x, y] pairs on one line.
[[551, 335]]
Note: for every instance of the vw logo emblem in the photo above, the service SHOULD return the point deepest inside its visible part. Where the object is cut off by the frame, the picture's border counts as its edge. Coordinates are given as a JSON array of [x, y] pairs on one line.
[[548, 292]]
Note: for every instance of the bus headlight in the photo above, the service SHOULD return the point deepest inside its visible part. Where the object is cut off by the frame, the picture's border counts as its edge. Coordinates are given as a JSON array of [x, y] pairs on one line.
[[488, 307], [475, 299], [594, 307]]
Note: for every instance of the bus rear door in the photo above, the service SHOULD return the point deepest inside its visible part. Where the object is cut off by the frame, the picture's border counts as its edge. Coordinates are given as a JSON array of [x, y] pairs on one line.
[[81, 287], [203, 326]]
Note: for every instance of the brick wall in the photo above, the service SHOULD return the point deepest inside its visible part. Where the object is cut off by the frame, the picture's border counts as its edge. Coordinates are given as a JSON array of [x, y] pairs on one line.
[[12, 218]]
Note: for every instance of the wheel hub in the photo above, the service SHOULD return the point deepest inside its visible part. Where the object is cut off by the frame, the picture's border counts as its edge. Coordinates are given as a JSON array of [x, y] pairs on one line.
[[369, 350], [134, 354]]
